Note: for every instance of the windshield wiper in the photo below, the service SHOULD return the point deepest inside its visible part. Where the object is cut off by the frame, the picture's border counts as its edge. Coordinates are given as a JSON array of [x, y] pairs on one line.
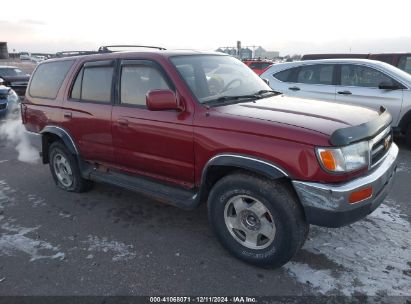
[[224, 99]]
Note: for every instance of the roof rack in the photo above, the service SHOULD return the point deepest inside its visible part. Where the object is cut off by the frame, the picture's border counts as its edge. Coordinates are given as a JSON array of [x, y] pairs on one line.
[[105, 48], [74, 53]]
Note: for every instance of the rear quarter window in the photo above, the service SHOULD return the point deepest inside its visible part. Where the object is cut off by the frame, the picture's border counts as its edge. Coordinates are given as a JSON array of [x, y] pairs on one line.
[[48, 77]]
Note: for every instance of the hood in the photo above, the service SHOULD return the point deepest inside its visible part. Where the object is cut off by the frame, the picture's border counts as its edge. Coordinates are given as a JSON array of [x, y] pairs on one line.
[[319, 116]]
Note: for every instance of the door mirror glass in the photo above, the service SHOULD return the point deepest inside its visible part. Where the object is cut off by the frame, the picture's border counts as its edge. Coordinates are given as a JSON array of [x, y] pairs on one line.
[[161, 100]]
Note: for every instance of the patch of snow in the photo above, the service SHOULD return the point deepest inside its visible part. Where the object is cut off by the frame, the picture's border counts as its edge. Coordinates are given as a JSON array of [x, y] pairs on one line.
[[373, 256], [121, 251], [15, 239], [36, 201], [404, 167]]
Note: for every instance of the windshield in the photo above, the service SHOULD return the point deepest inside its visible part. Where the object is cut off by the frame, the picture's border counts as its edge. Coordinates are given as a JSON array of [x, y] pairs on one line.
[[11, 72], [213, 77]]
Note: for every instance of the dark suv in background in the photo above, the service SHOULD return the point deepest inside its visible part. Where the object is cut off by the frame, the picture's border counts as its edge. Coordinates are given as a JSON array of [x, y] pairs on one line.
[[15, 79], [187, 127]]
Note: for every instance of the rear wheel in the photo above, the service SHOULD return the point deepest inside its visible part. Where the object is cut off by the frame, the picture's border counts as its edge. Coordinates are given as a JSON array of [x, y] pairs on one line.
[[257, 220], [65, 170]]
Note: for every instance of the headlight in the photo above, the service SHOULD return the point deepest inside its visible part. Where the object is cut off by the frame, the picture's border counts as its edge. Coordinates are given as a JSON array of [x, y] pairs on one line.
[[12, 97], [344, 159]]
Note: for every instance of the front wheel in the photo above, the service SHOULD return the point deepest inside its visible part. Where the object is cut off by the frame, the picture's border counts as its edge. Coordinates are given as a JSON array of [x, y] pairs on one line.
[[257, 220]]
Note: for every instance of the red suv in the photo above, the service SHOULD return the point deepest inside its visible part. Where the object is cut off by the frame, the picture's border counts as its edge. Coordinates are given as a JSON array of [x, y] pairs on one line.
[[258, 65], [188, 127]]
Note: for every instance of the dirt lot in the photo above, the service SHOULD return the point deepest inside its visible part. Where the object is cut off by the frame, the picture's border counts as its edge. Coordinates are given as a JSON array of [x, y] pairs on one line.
[[26, 67]]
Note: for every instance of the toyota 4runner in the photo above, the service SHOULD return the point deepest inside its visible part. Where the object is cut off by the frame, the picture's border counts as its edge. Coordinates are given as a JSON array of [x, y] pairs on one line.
[[185, 127]]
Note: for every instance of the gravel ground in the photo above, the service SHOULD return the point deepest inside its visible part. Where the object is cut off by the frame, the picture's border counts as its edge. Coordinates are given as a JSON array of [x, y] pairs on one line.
[[114, 242]]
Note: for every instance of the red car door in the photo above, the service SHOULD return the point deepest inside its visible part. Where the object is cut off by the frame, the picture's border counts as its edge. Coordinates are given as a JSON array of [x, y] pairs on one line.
[[87, 111], [157, 144]]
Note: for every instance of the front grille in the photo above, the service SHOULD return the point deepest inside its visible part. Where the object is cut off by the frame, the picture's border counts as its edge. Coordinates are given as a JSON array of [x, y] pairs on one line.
[[3, 106], [380, 146]]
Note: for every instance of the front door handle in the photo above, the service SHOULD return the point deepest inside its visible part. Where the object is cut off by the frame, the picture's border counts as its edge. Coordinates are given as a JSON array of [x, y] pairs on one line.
[[68, 115], [294, 88], [344, 92], [122, 122]]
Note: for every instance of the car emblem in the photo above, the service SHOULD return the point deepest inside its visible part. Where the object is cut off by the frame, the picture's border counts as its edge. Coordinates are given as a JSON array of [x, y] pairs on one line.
[[387, 142]]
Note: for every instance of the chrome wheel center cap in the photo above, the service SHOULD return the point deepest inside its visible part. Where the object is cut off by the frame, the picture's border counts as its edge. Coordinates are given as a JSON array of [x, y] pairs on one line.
[[250, 220]]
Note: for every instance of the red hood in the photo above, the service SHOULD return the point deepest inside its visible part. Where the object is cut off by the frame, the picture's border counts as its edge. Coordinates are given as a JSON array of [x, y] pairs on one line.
[[319, 116]]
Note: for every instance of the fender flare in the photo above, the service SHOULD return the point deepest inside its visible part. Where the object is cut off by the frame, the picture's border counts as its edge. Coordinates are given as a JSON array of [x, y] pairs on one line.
[[63, 135], [248, 163]]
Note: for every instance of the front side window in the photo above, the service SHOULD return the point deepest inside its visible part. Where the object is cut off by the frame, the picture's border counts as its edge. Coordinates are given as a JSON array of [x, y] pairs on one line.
[[362, 76], [316, 74], [405, 63], [212, 77], [93, 83], [137, 81], [48, 77]]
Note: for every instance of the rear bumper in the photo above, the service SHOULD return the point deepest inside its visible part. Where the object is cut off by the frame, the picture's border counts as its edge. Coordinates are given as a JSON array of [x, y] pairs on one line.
[[35, 140], [327, 204]]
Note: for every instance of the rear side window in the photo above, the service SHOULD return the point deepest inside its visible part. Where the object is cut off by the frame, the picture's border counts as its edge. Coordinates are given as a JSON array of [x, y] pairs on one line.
[[48, 78], [405, 63], [94, 82], [285, 75], [362, 76], [316, 74], [137, 81]]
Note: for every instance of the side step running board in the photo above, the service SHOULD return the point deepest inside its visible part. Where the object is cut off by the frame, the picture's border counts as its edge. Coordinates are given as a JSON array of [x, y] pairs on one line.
[[185, 199]]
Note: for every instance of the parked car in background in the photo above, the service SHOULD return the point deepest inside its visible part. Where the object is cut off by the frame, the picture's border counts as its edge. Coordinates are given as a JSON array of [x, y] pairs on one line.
[[399, 60], [25, 56], [15, 78], [187, 127], [258, 65], [9, 101], [361, 82]]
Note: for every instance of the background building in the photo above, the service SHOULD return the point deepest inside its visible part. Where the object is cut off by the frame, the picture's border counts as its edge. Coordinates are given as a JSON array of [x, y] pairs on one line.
[[248, 52], [4, 52]]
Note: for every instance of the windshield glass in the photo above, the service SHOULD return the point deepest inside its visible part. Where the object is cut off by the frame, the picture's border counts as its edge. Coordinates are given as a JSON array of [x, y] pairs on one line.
[[11, 72], [211, 77]]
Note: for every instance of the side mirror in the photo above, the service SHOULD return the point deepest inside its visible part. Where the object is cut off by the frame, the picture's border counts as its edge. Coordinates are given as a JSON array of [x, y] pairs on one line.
[[161, 100], [1, 81], [266, 81], [389, 85]]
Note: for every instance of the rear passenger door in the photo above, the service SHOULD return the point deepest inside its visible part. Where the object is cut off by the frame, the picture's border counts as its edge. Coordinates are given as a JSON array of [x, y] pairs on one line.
[[156, 144], [87, 110], [314, 81], [359, 86]]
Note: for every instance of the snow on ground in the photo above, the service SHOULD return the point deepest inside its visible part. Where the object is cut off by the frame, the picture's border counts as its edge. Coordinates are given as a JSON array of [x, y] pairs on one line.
[[371, 257], [17, 239], [121, 251]]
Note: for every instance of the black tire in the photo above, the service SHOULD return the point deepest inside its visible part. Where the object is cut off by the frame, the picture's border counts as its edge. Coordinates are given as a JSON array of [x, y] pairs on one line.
[[58, 151], [291, 228], [408, 136]]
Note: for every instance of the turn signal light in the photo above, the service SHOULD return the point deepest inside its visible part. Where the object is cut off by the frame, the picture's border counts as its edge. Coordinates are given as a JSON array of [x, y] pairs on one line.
[[360, 195], [328, 160]]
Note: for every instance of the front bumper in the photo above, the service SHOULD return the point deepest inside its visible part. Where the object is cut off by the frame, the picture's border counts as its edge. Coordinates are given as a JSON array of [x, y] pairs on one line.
[[327, 204]]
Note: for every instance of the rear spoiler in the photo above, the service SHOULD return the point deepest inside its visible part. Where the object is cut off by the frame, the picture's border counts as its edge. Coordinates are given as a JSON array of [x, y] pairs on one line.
[[365, 131]]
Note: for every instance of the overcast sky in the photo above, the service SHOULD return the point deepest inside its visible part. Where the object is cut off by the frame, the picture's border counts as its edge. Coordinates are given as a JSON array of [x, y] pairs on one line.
[[291, 27]]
